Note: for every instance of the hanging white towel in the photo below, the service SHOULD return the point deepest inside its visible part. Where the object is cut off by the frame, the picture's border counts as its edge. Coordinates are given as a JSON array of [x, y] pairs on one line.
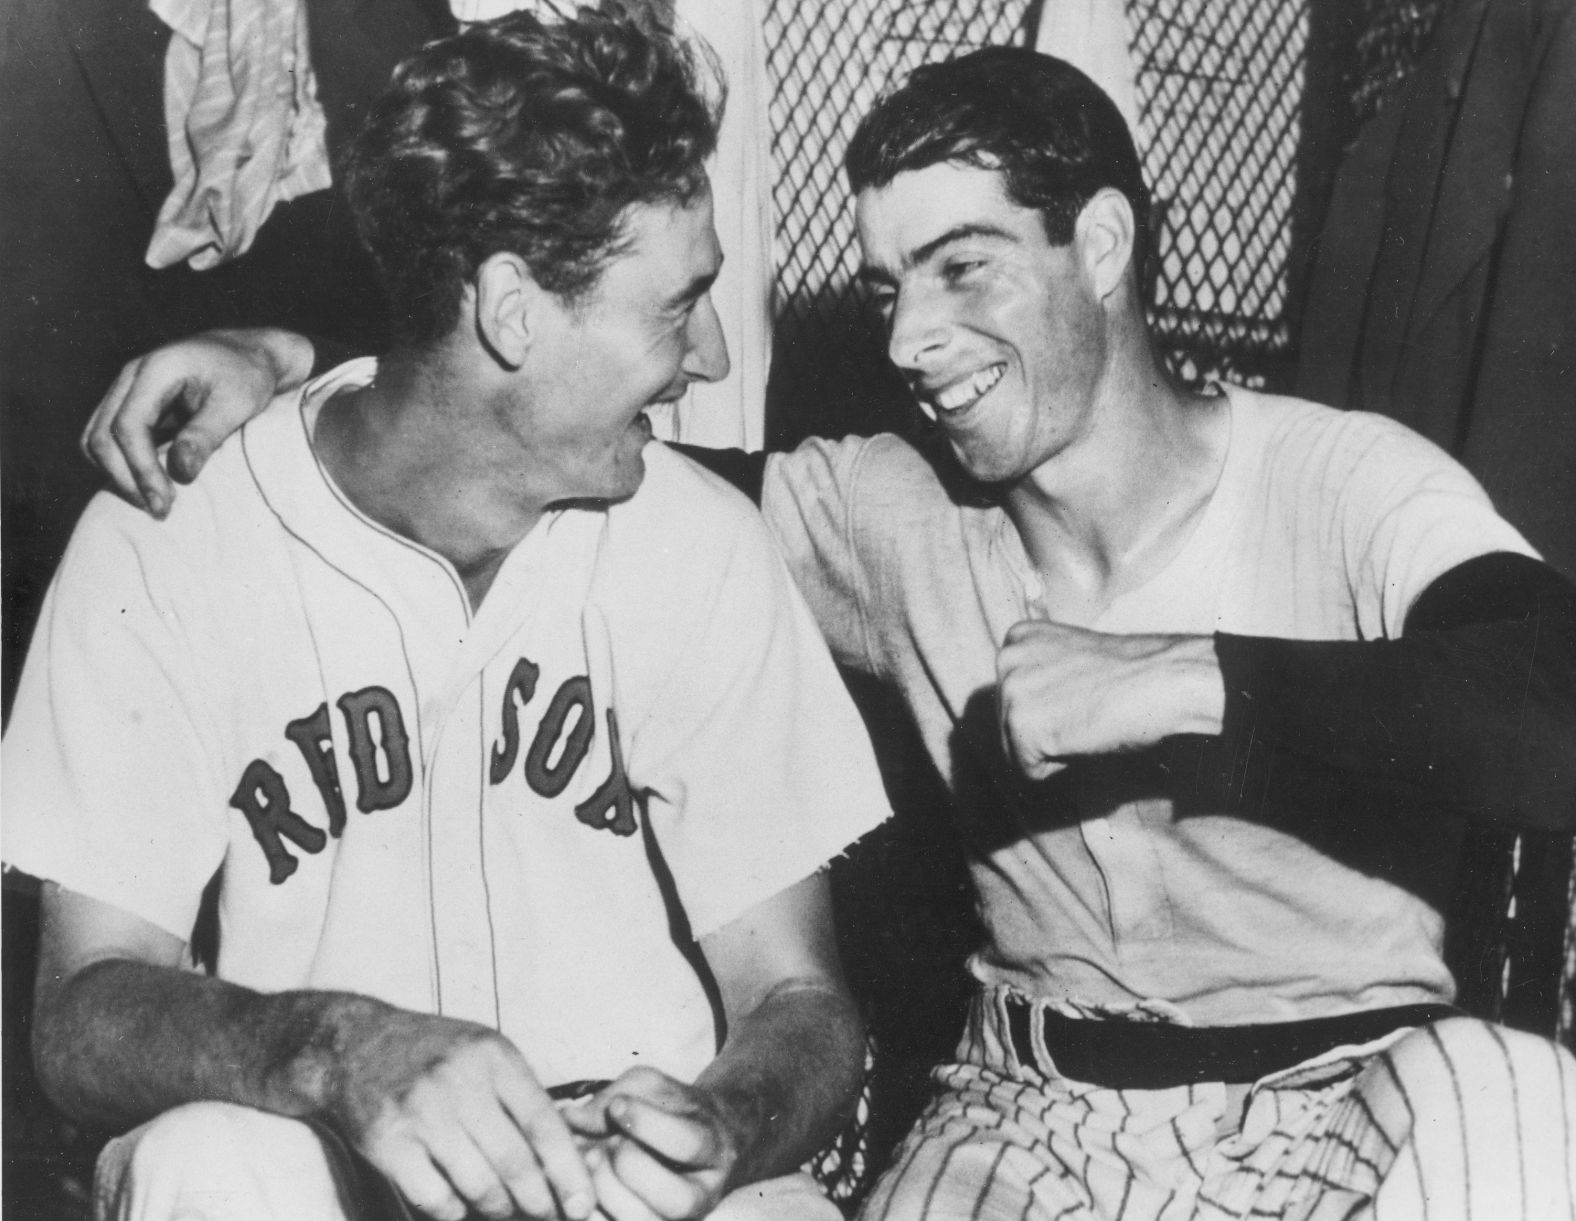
[[245, 128], [1094, 36], [732, 412]]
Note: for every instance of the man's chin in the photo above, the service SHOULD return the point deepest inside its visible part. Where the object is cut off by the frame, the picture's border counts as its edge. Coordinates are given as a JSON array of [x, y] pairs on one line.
[[631, 485], [620, 485], [983, 468]]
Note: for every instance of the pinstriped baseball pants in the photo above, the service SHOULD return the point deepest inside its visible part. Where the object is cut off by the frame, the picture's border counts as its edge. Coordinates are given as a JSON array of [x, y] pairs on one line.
[[1459, 1121]]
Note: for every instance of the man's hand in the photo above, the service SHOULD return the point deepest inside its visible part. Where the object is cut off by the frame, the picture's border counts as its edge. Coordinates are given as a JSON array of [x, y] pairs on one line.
[[658, 1149], [199, 390], [453, 1115], [447, 1110], [1066, 691]]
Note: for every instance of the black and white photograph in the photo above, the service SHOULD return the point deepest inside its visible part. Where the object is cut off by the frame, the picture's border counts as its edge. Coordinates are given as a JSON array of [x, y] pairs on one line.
[[769, 610]]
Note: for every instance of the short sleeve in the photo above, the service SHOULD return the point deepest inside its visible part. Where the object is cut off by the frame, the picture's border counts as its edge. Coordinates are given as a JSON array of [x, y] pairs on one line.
[[109, 777], [808, 501], [1410, 513], [757, 768]]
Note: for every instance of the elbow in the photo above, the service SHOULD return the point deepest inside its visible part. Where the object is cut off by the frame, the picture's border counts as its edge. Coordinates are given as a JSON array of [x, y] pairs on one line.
[[844, 1063], [63, 1049], [832, 1050], [54, 1063], [852, 1055]]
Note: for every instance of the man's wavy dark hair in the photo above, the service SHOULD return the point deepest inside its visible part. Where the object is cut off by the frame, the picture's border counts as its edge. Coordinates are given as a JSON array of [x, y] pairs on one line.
[[524, 136], [1052, 132]]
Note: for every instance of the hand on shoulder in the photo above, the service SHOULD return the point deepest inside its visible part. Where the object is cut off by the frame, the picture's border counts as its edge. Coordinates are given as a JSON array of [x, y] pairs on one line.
[[197, 391]]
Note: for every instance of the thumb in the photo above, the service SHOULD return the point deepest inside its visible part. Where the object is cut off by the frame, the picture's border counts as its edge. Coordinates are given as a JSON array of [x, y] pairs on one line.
[[220, 410], [684, 1139], [189, 452]]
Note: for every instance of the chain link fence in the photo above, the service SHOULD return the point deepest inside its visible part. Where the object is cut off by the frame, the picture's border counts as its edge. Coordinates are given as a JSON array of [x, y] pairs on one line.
[[1221, 89]]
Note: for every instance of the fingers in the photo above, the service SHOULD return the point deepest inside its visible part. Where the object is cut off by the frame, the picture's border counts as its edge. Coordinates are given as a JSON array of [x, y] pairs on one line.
[[615, 1199], [1035, 694], [218, 408], [1066, 693], [587, 1117], [501, 1173], [504, 1179], [671, 1150], [664, 1190], [684, 1139], [425, 1094], [190, 450], [220, 380], [127, 455], [449, 1165], [1010, 716], [422, 1183], [551, 1141]]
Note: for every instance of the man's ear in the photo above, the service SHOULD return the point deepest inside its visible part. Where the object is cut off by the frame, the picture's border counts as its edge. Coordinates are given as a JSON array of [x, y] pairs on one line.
[[1104, 239], [504, 299]]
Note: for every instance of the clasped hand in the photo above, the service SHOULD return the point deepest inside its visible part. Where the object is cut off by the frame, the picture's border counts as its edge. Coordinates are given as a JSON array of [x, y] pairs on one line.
[[1067, 691], [658, 1150], [451, 1113]]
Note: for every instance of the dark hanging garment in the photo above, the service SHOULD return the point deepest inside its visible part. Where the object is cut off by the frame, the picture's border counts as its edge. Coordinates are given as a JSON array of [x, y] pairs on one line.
[[1443, 291]]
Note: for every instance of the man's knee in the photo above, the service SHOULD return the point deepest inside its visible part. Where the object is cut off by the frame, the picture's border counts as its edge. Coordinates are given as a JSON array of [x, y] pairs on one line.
[[1478, 1113], [1466, 1062], [218, 1160]]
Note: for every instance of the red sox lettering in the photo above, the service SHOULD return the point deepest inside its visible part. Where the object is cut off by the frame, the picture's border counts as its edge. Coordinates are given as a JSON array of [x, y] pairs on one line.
[[612, 806], [379, 749]]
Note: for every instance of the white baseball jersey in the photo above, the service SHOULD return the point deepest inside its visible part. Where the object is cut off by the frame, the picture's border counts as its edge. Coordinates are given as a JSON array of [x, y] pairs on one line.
[[508, 815]]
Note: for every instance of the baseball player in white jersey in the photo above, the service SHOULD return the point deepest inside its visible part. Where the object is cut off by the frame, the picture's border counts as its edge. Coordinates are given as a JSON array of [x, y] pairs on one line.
[[1215, 680], [500, 731]]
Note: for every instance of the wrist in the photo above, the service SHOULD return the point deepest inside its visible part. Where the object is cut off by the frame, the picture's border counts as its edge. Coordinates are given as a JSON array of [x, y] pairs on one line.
[[739, 1121], [284, 356], [312, 1032], [1194, 686]]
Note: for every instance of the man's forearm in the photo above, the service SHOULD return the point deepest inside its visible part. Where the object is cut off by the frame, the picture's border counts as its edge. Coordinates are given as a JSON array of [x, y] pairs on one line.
[[1473, 708], [122, 1041], [788, 1077]]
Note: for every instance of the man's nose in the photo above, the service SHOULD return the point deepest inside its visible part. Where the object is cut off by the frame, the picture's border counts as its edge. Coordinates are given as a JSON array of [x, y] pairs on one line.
[[706, 359], [919, 330]]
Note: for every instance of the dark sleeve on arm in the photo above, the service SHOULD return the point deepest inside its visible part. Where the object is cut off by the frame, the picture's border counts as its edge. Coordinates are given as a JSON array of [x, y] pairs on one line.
[[1473, 709], [743, 468]]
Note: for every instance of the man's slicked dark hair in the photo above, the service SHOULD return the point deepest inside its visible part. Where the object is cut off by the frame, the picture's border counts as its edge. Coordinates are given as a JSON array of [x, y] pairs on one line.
[[1053, 134], [529, 137]]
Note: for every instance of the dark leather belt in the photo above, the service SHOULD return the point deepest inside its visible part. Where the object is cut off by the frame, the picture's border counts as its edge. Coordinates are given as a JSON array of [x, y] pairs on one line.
[[570, 1090], [1138, 1055]]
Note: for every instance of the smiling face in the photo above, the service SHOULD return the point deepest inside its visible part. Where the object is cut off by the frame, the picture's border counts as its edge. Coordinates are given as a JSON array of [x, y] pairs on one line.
[[1000, 334], [644, 334]]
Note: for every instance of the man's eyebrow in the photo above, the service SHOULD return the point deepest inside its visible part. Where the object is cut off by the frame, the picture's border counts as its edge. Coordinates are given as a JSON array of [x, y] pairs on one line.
[[923, 253], [694, 290]]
